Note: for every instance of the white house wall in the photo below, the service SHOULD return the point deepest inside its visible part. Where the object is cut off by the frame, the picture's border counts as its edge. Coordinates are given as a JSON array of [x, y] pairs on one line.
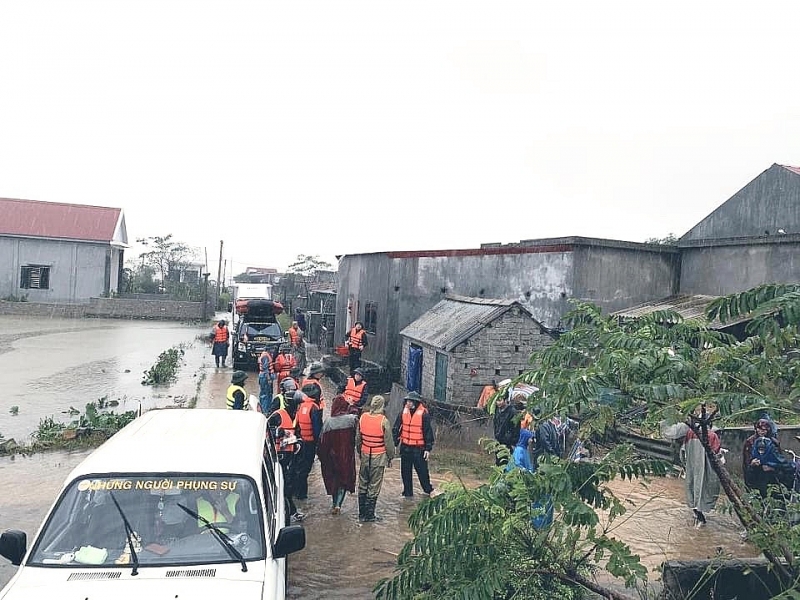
[[77, 269]]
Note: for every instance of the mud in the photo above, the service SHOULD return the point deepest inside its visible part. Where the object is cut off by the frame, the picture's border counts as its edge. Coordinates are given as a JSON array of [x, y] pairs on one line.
[[343, 558]]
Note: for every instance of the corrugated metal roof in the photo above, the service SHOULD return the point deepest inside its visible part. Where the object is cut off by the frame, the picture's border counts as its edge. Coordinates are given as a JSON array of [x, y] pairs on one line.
[[689, 306], [795, 170], [33, 218], [456, 319]]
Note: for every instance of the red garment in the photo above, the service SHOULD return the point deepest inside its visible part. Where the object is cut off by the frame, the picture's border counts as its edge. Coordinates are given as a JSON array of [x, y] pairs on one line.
[[713, 439], [336, 449]]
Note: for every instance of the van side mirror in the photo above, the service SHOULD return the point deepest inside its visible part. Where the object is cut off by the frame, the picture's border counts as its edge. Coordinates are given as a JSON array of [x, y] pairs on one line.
[[230, 306], [290, 539], [13, 545]]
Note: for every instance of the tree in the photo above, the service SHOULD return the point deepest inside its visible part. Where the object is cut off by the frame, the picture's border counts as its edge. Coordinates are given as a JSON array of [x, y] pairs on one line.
[[166, 257], [663, 367], [669, 240], [308, 266]]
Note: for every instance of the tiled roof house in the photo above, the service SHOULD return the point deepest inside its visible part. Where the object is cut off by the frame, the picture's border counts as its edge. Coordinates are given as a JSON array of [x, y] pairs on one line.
[[60, 253]]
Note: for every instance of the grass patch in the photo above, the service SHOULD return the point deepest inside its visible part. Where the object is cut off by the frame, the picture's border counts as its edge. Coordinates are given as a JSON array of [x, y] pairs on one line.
[[462, 463]]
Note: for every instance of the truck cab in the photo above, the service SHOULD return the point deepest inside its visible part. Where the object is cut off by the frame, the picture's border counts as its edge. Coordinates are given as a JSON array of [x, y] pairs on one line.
[[251, 336]]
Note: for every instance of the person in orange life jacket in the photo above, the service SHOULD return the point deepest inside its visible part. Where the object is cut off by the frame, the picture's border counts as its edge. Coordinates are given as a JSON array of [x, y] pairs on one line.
[[236, 396], [315, 374], [295, 335], [413, 432], [376, 446], [266, 375], [356, 341], [220, 336], [284, 363], [309, 419], [283, 423], [355, 392]]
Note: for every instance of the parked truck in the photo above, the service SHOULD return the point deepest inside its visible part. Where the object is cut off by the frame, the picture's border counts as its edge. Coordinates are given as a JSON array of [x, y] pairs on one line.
[[255, 326]]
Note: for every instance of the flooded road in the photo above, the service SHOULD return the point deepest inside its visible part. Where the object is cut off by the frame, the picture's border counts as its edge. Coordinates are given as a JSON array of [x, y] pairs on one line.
[[343, 558]]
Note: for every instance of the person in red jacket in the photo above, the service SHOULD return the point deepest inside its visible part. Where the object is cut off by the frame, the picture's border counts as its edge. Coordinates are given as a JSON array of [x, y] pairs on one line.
[[413, 432]]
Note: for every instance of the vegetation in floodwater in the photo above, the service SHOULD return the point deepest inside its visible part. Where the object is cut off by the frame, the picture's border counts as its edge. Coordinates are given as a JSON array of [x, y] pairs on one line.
[[166, 368], [14, 410]]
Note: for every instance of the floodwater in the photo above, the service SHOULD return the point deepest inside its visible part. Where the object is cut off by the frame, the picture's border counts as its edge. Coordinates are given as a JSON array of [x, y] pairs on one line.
[[343, 558]]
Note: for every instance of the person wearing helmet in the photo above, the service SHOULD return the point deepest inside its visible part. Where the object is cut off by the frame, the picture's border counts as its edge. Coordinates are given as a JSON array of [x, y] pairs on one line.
[[356, 341], [413, 433], [316, 371], [309, 420], [355, 391], [288, 388], [236, 395], [285, 362]]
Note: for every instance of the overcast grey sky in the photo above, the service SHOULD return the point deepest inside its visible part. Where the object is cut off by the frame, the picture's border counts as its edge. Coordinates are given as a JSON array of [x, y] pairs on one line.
[[349, 127]]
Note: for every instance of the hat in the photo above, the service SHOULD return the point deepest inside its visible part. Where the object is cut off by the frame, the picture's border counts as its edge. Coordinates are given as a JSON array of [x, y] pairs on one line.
[[358, 372], [312, 390], [413, 396], [238, 377], [288, 385], [377, 404], [221, 322], [314, 368]]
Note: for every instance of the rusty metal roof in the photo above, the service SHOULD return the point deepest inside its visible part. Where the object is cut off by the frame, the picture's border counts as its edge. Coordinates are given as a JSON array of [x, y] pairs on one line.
[[33, 218], [689, 306], [457, 318]]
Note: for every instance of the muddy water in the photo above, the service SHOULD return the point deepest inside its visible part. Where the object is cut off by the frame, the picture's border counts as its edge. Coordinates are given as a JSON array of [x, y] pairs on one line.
[[343, 559]]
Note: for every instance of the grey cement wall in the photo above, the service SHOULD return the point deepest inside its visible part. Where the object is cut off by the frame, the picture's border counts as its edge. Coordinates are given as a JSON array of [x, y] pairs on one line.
[[77, 269], [721, 270], [616, 278], [112, 308], [768, 203]]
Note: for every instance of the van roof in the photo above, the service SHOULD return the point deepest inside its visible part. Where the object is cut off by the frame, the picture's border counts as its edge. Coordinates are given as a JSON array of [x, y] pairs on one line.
[[183, 440]]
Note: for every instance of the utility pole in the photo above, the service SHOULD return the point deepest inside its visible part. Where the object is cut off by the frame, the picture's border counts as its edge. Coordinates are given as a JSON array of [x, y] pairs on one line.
[[205, 297], [219, 276]]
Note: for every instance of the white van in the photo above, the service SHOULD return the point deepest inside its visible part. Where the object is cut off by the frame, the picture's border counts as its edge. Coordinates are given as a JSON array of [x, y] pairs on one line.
[[178, 504]]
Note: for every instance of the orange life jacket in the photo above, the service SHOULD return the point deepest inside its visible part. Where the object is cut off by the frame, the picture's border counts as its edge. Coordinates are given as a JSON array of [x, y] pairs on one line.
[[356, 339], [288, 426], [220, 333], [294, 336], [371, 428], [304, 419], [352, 392], [269, 362], [411, 430], [284, 363]]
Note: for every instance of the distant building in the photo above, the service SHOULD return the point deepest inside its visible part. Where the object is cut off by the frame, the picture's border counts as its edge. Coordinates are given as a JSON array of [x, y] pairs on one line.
[[56, 252]]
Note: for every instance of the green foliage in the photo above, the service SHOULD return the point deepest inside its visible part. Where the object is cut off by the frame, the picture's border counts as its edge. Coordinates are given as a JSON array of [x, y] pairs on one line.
[[482, 543], [669, 240], [14, 410], [166, 367], [308, 265]]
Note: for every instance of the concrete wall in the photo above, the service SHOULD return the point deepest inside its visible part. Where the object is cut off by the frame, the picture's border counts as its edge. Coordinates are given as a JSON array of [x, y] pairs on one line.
[[720, 270], [78, 270], [768, 203], [497, 351], [618, 277], [112, 308]]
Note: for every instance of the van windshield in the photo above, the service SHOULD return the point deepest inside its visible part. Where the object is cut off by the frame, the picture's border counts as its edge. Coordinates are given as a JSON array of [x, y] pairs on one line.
[[86, 527], [263, 332]]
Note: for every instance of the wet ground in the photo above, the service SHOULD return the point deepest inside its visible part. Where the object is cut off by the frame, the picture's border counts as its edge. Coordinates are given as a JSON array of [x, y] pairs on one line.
[[343, 559]]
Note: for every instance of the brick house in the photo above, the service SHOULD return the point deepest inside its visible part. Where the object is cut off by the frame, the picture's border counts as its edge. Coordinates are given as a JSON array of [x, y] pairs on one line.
[[461, 344]]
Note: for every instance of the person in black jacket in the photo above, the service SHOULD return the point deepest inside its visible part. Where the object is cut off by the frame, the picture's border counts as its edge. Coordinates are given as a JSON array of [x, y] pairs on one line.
[[413, 435], [506, 425]]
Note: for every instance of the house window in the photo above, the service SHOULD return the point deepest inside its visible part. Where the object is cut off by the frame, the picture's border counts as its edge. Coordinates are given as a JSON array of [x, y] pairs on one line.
[[35, 277], [370, 316]]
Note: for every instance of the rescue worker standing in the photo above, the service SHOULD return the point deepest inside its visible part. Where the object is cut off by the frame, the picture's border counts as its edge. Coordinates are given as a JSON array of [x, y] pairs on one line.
[[288, 388], [236, 395], [298, 344], [315, 374], [374, 440], [285, 362], [413, 432], [355, 341], [282, 422], [309, 420], [266, 375], [355, 391], [220, 337]]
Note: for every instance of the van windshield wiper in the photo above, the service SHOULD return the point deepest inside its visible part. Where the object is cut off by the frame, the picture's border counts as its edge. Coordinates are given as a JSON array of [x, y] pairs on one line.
[[219, 535], [130, 534]]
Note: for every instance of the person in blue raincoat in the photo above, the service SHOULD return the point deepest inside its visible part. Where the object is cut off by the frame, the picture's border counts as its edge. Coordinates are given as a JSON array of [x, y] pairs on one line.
[[521, 459]]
